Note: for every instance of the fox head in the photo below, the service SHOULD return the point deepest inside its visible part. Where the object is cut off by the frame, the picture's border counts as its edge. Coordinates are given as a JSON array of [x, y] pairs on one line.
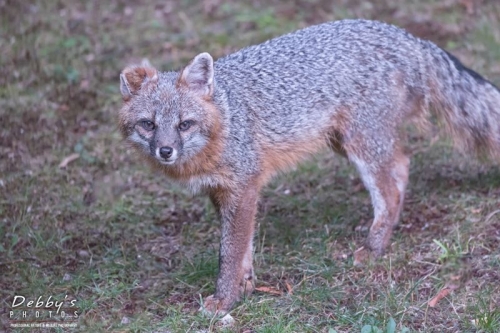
[[170, 116]]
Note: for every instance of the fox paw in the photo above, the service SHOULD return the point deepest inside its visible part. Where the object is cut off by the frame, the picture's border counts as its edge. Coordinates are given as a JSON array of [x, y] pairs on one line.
[[216, 305], [213, 307], [361, 256]]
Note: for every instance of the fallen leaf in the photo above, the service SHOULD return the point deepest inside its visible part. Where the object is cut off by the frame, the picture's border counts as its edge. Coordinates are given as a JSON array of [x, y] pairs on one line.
[[289, 288], [270, 290], [68, 159], [453, 284], [440, 295]]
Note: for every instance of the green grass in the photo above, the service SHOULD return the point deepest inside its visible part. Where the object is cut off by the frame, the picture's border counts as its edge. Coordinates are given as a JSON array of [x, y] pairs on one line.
[[139, 254]]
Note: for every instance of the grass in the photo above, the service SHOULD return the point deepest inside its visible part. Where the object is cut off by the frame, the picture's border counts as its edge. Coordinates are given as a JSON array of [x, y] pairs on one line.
[[138, 254]]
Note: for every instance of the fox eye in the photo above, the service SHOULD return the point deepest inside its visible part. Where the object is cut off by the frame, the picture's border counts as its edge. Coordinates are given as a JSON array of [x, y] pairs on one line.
[[147, 125], [185, 125]]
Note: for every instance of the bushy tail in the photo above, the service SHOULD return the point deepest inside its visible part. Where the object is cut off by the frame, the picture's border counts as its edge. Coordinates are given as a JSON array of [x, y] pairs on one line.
[[467, 104]]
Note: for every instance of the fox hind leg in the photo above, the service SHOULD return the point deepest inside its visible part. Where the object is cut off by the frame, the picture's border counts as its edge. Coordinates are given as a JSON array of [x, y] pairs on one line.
[[386, 180]]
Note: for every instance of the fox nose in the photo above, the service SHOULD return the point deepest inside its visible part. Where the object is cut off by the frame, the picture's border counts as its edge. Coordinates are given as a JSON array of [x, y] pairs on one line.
[[166, 152]]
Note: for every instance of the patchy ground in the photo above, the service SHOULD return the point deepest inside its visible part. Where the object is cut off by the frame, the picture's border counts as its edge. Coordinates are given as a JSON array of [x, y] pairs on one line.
[[138, 253]]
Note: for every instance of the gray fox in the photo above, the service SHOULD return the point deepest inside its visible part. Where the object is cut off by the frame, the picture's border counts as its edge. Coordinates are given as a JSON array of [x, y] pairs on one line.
[[227, 127]]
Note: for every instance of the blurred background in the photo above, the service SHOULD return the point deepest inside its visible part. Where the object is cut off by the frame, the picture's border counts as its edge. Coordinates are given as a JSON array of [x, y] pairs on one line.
[[60, 59]]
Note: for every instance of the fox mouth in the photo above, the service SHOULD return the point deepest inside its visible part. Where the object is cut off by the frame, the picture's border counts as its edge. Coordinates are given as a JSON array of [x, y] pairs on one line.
[[163, 162], [170, 159]]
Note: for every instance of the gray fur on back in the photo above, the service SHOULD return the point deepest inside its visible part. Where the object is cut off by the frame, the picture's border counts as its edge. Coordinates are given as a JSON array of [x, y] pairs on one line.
[[281, 88], [284, 87]]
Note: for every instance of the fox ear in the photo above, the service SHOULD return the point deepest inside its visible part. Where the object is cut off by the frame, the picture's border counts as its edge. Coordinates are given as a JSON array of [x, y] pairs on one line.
[[132, 78], [198, 76]]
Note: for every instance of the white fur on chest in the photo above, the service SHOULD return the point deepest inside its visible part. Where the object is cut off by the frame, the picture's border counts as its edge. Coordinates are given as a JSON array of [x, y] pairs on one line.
[[197, 184]]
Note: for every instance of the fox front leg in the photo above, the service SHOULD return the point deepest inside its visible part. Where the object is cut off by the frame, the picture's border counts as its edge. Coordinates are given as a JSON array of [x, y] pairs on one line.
[[237, 212]]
